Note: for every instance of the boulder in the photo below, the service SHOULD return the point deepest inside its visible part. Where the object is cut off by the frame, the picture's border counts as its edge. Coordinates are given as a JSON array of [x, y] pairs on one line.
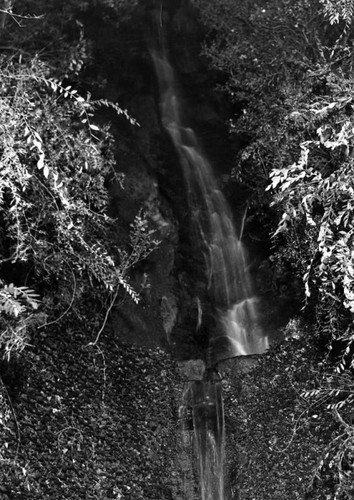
[[192, 369]]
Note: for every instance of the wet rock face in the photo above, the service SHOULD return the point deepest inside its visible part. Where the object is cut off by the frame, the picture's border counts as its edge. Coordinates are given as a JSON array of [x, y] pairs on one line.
[[153, 178], [151, 321], [169, 311], [145, 110]]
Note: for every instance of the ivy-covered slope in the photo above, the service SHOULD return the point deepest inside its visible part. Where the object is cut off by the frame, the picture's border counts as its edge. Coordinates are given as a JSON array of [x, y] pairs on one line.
[[282, 440], [95, 422]]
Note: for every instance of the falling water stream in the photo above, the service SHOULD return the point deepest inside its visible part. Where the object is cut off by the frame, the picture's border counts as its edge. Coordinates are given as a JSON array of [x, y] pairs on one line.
[[229, 283]]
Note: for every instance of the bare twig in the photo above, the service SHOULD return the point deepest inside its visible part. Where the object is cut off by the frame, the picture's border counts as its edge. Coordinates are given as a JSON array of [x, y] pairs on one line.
[[90, 344], [13, 415]]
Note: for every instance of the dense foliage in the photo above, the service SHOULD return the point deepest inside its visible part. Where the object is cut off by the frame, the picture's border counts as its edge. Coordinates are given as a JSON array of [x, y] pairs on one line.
[[288, 69], [57, 234]]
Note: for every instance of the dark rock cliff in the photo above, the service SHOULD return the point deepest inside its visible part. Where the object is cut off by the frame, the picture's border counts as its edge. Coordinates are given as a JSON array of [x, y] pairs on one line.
[[172, 279]]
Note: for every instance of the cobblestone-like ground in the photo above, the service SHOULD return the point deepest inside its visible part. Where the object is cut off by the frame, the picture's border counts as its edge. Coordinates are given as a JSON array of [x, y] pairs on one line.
[[95, 422]]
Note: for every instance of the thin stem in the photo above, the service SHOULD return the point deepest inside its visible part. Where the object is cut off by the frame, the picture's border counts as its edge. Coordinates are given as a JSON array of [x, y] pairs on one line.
[[105, 320]]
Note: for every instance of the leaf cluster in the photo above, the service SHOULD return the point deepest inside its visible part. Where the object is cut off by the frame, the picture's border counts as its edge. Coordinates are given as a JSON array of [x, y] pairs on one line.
[[17, 317], [316, 195]]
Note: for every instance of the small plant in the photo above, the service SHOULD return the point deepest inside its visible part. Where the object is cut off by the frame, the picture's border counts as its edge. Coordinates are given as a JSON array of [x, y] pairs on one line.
[[16, 317]]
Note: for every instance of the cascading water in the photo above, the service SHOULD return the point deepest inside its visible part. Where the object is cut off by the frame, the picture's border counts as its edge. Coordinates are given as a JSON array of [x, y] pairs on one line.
[[202, 410], [208, 420], [228, 280]]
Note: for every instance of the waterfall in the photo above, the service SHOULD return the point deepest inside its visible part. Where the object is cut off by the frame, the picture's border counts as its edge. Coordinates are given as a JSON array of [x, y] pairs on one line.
[[228, 278], [229, 286]]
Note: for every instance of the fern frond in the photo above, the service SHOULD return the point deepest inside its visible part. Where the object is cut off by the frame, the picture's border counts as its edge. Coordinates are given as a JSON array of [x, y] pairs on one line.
[[129, 289], [9, 305], [116, 108], [29, 295], [14, 300]]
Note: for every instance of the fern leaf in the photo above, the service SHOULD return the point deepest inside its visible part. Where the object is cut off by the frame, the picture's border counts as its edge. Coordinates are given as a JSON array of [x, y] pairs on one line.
[[129, 289], [31, 297]]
